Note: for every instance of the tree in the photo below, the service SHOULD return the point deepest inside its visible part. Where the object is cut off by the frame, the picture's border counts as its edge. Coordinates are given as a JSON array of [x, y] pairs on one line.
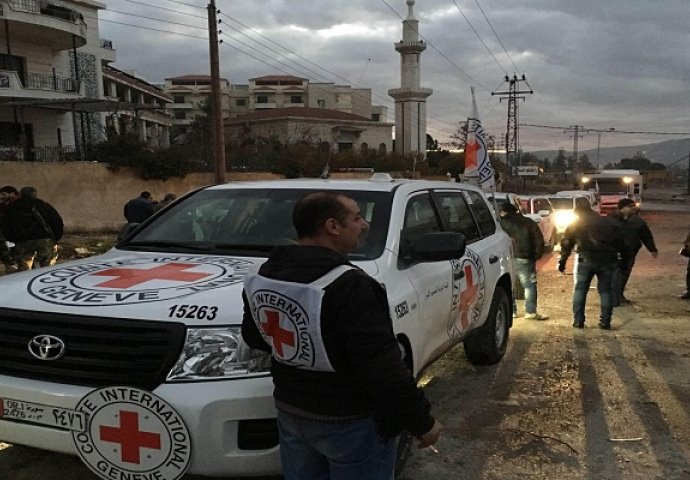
[[559, 163]]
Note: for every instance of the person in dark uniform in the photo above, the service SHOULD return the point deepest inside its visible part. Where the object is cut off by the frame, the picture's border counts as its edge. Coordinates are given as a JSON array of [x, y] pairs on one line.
[[8, 195], [140, 208], [35, 227], [637, 233], [600, 244], [342, 391], [528, 248]]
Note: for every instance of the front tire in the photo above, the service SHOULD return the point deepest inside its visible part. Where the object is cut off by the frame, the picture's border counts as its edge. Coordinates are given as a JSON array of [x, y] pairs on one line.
[[487, 345]]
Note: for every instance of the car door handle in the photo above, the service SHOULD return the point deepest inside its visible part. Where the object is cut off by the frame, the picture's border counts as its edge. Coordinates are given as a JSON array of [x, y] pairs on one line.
[[493, 259]]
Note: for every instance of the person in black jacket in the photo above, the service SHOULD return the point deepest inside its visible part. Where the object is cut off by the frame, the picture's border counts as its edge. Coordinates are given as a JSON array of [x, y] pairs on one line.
[[8, 195], [528, 247], [140, 208], [35, 227], [600, 245], [342, 391], [636, 233]]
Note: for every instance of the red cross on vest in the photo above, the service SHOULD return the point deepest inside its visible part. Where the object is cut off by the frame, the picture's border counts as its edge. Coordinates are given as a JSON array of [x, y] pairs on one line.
[[467, 297], [279, 336], [128, 277], [130, 438]]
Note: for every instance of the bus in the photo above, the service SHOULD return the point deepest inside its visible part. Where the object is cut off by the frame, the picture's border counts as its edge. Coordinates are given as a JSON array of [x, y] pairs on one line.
[[613, 185]]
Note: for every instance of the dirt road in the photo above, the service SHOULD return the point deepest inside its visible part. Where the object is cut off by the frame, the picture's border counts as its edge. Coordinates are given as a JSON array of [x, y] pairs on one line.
[[564, 403]]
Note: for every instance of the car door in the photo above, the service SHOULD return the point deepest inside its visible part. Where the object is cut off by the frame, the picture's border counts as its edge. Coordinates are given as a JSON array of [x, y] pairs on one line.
[[432, 281], [541, 205]]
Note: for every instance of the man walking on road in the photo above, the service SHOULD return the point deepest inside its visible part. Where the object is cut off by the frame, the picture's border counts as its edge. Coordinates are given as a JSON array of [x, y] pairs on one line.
[[600, 243], [343, 401], [529, 247], [636, 233]]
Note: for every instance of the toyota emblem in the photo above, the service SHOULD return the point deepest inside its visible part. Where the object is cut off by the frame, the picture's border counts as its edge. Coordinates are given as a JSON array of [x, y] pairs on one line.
[[46, 347]]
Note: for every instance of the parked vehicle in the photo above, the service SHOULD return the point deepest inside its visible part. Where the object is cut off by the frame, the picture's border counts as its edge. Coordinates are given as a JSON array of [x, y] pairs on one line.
[[134, 359], [594, 197], [497, 198], [564, 213], [613, 185], [539, 209]]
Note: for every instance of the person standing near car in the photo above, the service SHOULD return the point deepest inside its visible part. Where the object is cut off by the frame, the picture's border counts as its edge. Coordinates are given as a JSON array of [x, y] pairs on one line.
[[600, 243], [637, 233], [8, 195], [140, 208], [528, 244], [35, 227], [342, 390]]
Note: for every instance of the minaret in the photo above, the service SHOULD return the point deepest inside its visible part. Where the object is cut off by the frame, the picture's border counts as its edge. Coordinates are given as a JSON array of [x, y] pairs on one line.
[[410, 98]]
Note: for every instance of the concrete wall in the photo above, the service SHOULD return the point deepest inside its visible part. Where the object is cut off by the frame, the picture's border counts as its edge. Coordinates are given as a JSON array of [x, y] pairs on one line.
[[90, 197]]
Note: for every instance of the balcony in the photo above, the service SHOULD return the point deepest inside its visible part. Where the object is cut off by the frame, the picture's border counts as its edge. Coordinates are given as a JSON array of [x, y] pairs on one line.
[[37, 85], [55, 25], [264, 106], [107, 50]]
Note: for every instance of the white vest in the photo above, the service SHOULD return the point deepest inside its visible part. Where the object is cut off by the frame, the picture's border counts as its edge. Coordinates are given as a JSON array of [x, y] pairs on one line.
[[288, 315]]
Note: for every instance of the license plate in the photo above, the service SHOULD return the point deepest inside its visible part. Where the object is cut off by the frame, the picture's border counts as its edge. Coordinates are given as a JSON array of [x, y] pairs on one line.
[[28, 412]]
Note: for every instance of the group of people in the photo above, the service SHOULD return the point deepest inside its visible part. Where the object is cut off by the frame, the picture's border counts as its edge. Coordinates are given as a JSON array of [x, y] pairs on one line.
[[32, 225], [142, 207], [606, 248]]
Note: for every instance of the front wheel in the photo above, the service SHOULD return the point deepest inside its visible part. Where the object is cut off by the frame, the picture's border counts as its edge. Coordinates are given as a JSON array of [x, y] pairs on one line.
[[487, 345]]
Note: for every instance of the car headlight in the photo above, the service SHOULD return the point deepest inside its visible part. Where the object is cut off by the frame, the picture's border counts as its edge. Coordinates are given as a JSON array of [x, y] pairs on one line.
[[211, 353], [565, 218]]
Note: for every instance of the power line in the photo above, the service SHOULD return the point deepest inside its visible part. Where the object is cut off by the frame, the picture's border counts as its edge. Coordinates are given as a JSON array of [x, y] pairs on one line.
[[476, 82], [158, 7], [476, 33], [607, 131], [152, 29], [496, 34]]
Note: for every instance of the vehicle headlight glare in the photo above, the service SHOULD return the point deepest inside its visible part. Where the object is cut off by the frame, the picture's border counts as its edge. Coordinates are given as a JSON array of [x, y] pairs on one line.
[[217, 353]]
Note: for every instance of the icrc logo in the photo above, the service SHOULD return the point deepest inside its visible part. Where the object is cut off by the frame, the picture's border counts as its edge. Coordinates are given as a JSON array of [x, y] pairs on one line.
[[136, 280]]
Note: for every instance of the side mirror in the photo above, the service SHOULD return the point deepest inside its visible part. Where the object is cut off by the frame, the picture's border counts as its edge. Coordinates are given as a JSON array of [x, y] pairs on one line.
[[438, 246]]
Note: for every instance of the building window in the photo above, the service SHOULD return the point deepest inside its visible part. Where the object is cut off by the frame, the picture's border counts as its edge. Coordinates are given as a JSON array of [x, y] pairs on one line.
[[241, 102], [261, 99], [178, 99], [364, 148], [180, 115], [321, 103], [375, 117], [344, 146], [296, 99], [382, 148]]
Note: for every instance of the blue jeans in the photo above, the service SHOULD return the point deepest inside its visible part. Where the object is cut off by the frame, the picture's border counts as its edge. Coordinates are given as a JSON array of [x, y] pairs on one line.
[[348, 450], [586, 270], [527, 272]]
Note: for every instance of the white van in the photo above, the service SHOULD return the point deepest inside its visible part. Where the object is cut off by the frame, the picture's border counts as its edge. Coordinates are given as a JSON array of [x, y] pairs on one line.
[[594, 199]]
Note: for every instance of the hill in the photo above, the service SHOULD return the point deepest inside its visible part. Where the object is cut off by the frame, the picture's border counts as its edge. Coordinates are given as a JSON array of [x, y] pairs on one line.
[[665, 153]]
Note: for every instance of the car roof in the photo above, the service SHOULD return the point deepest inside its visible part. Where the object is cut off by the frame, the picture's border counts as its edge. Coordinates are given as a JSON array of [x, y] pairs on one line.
[[377, 182]]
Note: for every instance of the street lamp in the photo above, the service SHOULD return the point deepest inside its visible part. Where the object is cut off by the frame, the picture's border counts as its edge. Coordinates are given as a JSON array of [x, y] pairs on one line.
[[599, 132]]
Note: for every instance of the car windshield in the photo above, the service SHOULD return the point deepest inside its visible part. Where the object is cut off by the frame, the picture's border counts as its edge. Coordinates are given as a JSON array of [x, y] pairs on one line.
[[562, 203], [249, 222]]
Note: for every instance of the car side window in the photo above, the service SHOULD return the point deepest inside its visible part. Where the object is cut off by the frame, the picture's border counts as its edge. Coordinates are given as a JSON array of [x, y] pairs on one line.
[[420, 218], [582, 201], [457, 215], [485, 219]]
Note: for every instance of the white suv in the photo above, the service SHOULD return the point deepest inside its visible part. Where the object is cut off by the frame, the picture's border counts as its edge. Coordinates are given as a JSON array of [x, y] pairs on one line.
[[134, 361]]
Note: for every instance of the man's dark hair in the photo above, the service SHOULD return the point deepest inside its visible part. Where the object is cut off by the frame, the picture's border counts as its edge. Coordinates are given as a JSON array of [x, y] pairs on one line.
[[625, 202], [145, 194], [8, 189], [312, 210], [507, 208], [28, 192]]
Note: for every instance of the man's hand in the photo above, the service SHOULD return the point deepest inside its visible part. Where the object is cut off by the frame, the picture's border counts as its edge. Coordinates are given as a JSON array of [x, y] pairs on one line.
[[561, 266], [655, 254], [430, 437]]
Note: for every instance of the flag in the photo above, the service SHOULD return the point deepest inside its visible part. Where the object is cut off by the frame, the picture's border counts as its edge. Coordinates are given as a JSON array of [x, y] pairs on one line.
[[477, 164]]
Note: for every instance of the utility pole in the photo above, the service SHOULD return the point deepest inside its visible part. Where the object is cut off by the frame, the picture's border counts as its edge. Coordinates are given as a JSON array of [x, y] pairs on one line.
[[217, 134], [512, 132], [576, 135]]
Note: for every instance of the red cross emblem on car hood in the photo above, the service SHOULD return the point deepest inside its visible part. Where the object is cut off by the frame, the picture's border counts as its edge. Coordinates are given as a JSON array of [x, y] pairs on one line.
[[129, 277]]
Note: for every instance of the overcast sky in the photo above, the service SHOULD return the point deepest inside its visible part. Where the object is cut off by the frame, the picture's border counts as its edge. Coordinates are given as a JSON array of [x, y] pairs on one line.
[[620, 64]]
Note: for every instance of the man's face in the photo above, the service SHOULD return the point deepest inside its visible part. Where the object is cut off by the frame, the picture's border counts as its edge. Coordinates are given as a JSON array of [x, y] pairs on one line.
[[4, 197], [628, 210], [352, 228]]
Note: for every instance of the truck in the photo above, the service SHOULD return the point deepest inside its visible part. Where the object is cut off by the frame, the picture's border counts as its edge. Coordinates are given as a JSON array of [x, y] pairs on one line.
[[614, 185]]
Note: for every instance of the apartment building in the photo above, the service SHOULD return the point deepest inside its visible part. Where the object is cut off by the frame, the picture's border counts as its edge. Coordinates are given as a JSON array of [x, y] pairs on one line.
[[51, 94]]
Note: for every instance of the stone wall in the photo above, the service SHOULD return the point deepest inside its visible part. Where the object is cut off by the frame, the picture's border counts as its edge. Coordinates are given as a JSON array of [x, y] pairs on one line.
[[90, 197]]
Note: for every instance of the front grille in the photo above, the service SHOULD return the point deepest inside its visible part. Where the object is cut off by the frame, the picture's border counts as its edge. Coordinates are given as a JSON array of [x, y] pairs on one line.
[[98, 351]]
